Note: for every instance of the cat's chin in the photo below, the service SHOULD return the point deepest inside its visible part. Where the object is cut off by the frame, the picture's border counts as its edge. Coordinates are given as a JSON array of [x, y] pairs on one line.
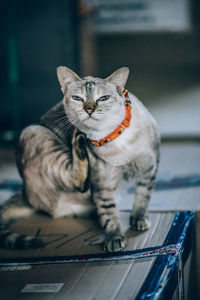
[[90, 122]]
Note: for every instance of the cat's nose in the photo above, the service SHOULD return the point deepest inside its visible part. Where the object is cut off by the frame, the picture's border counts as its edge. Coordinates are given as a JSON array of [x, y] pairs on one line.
[[89, 111]]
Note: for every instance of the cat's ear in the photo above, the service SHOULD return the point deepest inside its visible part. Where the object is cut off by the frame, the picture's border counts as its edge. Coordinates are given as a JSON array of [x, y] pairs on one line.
[[119, 78], [65, 76]]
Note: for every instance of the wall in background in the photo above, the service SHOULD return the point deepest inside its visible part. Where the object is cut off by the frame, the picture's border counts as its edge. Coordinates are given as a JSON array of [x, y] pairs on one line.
[[36, 37], [165, 71]]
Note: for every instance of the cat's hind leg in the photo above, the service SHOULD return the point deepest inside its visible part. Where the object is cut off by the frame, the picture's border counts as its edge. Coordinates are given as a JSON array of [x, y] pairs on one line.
[[49, 167], [80, 170]]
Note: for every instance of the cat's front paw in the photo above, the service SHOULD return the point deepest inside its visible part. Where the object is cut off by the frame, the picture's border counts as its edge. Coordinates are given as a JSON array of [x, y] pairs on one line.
[[114, 243], [79, 143], [139, 223]]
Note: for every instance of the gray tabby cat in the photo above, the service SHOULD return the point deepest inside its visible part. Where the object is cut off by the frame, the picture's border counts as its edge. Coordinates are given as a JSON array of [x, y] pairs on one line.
[[66, 174]]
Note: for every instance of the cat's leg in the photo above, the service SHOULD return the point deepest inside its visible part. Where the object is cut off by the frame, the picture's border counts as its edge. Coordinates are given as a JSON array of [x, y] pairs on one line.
[[144, 183], [49, 167], [80, 169], [109, 220], [104, 185]]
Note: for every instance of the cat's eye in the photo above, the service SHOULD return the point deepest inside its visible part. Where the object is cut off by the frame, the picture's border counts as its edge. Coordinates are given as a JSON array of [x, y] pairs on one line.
[[77, 98], [104, 98]]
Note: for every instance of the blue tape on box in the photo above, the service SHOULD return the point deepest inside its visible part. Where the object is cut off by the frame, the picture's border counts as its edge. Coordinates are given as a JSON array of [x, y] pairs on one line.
[[155, 285]]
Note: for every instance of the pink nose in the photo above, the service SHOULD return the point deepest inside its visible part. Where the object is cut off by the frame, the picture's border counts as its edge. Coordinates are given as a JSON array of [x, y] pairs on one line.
[[89, 111]]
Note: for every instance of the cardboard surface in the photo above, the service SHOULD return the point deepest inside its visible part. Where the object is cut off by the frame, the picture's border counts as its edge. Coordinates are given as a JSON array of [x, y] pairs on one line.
[[163, 270], [70, 237], [105, 280]]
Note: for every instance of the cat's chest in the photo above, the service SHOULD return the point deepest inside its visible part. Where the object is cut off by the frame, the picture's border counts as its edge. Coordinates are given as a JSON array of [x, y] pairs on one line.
[[120, 151]]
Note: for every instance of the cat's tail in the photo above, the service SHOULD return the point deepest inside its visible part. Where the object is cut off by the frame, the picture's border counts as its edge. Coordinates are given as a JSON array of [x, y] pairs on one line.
[[13, 209]]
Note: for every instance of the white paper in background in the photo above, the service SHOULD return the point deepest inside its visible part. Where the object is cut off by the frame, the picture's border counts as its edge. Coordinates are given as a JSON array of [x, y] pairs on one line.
[[142, 15], [42, 288]]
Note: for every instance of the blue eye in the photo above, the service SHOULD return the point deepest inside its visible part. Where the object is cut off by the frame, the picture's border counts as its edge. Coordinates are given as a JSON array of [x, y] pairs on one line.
[[77, 98], [104, 98]]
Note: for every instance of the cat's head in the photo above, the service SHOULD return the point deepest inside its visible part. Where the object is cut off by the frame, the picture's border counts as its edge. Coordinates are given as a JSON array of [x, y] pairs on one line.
[[93, 103]]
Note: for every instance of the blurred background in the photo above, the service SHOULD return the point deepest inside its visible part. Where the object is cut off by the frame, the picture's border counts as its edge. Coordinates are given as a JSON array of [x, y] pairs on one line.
[[158, 40]]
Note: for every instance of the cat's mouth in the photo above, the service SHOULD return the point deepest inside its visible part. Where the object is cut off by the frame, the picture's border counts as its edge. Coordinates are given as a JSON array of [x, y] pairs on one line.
[[90, 118]]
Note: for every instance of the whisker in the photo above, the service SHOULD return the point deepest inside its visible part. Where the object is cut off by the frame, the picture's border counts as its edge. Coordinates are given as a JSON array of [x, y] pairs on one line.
[[63, 124]]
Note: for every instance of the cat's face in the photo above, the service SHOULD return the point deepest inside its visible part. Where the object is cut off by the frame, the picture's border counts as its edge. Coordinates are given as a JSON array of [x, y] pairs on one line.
[[93, 103]]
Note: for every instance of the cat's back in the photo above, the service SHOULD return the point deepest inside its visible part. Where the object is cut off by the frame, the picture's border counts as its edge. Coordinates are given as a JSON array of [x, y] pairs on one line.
[[142, 118], [53, 131], [58, 122]]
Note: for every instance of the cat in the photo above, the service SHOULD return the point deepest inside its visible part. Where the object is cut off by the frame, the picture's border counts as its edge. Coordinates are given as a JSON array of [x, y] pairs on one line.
[[72, 161]]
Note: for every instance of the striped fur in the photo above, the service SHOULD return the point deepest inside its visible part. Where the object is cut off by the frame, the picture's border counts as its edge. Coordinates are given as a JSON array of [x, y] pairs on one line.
[[64, 174]]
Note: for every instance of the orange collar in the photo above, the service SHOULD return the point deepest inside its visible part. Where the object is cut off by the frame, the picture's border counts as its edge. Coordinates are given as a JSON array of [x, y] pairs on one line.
[[122, 126]]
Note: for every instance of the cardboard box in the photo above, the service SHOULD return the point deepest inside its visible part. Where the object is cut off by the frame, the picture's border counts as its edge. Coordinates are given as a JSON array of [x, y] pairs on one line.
[[155, 265]]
